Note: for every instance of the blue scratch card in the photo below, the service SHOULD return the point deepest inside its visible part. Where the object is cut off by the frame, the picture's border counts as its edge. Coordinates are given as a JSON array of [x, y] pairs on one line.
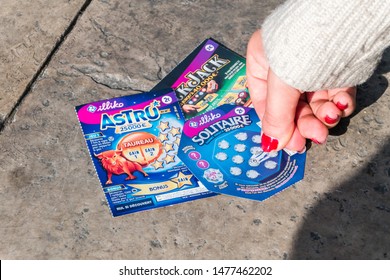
[[133, 142], [222, 148]]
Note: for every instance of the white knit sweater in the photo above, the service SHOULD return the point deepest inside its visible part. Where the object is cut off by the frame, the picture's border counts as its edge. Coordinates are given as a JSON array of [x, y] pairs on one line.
[[323, 44]]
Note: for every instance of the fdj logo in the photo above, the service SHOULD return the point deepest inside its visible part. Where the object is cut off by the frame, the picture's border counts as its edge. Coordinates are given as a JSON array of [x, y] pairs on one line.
[[193, 124], [239, 111], [209, 47], [91, 109]]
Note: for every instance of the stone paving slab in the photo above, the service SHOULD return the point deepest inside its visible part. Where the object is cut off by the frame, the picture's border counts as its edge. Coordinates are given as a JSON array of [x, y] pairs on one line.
[[29, 30], [52, 206]]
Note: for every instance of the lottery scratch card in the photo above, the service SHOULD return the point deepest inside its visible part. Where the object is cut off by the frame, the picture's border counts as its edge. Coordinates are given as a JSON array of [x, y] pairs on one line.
[[133, 142], [212, 75], [222, 148]]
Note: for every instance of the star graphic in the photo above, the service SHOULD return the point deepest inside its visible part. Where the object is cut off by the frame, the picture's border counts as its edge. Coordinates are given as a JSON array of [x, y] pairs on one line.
[[177, 141], [163, 126], [158, 164], [156, 103], [175, 131], [182, 180], [163, 137], [168, 147], [169, 159]]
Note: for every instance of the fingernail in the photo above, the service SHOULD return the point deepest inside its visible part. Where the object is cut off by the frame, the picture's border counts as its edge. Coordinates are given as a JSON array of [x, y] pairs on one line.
[[341, 106], [316, 141], [268, 144], [330, 120]]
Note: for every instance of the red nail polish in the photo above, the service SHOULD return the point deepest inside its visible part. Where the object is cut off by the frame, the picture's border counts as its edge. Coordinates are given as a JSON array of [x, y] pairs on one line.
[[330, 120], [268, 144], [315, 141], [341, 106]]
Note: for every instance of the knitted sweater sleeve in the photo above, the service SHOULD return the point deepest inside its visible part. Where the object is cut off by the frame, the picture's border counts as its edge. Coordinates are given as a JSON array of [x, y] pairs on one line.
[[319, 44]]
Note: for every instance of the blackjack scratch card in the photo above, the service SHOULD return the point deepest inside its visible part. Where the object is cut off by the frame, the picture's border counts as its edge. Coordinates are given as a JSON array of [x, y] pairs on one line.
[[212, 75], [133, 143], [222, 148]]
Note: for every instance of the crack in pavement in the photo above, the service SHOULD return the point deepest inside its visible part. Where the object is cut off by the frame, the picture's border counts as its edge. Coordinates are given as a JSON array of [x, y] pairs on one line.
[[7, 119]]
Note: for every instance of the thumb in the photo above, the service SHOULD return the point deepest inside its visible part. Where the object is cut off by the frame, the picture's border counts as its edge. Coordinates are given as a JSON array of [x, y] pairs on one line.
[[278, 121]]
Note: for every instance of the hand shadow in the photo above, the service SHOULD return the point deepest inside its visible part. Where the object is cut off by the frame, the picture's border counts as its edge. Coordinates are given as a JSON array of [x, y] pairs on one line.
[[353, 221]]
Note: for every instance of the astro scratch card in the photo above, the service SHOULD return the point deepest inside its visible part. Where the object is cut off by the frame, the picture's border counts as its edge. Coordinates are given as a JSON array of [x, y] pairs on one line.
[[210, 76], [222, 148], [133, 142]]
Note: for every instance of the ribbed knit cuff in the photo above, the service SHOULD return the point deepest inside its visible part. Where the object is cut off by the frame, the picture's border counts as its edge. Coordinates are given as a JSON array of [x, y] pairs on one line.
[[317, 44]]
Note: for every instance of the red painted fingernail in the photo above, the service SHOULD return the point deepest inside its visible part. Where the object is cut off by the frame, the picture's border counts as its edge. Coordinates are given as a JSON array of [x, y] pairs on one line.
[[268, 144], [316, 141], [341, 106], [330, 120]]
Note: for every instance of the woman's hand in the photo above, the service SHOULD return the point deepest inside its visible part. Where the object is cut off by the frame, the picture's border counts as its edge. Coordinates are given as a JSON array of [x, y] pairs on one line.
[[290, 116]]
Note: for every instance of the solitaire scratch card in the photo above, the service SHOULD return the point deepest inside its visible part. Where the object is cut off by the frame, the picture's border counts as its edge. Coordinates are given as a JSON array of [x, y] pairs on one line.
[[222, 148], [133, 142], [212, 75]]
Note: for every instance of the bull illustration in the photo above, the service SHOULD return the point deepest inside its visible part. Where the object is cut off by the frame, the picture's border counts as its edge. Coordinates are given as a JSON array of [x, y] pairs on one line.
[[114, 163]]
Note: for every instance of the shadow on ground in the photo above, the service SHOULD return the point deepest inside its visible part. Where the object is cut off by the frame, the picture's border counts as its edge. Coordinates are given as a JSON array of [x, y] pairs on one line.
[[353, 221]]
